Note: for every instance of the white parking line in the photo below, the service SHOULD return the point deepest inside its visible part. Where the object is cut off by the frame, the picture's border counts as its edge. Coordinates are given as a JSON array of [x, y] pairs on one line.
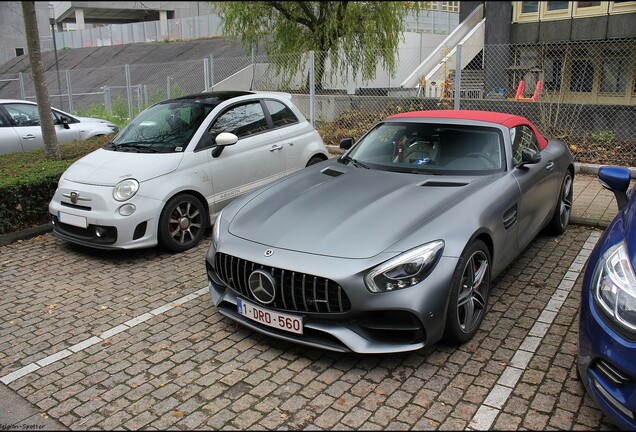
[[9, 378], [498, 396]]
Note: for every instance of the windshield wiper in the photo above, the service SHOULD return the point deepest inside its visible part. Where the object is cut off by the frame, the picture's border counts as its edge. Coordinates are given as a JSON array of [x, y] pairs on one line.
[[355, 162], [137, 146]]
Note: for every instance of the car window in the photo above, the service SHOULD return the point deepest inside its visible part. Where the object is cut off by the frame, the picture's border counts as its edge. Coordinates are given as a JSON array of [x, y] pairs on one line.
[[3, 120], [57, 118], [23, 114], [281, 114], [428, 147], [241, 120], [165, 127], [522, 137]]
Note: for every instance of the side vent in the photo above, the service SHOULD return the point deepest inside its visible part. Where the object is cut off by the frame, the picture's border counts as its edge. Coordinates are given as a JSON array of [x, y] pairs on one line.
[[331, 172], [510, 217]]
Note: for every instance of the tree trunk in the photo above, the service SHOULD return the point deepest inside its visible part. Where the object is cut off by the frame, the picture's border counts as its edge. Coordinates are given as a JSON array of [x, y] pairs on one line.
[[51, 147]]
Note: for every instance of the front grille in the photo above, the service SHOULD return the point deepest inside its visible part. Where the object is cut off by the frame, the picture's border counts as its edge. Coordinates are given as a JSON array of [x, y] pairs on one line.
[[75, 206], [296, 291], [109, 234]]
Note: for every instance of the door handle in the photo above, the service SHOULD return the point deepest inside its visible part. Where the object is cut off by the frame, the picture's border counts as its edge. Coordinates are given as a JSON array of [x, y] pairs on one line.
[[28, 137], [275, 147], [549, 166]]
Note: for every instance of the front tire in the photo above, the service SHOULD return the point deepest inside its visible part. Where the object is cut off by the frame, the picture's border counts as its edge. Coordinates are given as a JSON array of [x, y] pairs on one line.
[[470, 289], [563, 211], [182, 223]]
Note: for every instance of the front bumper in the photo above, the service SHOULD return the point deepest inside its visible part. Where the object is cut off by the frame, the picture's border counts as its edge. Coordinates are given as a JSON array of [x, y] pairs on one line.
[[106, 228], [606, 364], [398, 321]]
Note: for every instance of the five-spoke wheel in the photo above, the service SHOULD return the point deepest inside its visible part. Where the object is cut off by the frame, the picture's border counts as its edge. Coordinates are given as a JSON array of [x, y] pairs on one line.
[[561, 217], [470, 288]]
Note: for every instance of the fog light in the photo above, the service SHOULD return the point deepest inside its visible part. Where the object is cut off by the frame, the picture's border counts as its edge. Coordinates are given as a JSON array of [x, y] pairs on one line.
[[127, 209], [99, 231]]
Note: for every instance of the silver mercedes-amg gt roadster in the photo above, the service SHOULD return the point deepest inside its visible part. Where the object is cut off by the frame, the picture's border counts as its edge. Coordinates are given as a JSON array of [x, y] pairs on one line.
[[392, 246]]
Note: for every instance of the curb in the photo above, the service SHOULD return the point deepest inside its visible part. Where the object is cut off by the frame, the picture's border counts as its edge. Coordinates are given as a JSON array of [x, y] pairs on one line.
[[20, 414], [35, 231], [592, 223], [593, 169]]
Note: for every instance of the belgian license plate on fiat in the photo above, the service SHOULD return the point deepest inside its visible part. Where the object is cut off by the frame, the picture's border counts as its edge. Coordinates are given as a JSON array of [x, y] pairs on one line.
[[277, 320]]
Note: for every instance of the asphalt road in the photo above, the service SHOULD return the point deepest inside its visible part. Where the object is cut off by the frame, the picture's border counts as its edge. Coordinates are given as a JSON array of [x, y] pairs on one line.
[[130, 340]]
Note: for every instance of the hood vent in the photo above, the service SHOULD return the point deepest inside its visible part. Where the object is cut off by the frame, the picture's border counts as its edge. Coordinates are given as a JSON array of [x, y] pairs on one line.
[[447, 183], [331, 172]]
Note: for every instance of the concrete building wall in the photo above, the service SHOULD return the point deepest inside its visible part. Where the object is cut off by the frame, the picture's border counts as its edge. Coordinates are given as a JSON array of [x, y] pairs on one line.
[[498, 16], [12, 33]]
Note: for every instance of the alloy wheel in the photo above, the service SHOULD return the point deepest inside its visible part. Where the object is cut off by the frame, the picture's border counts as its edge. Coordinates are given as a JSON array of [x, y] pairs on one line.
[[473, 292]]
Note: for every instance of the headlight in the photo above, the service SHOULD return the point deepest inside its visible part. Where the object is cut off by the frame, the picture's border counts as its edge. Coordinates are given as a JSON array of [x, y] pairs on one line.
[[125, 189], [615, 286], [216, 230], [405, 270]]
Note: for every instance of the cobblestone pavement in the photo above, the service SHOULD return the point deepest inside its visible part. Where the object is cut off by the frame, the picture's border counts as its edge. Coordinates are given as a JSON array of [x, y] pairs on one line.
[[130, 340]]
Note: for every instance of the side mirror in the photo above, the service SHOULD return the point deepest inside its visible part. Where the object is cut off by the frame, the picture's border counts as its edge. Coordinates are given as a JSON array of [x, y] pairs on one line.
[[346, 143], [529, 157], [64, 122], [616, 179], [223, 139]]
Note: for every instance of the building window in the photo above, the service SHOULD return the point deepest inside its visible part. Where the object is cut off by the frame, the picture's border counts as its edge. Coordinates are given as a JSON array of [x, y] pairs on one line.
[[589, 8], [529, 7], [431, 5], [555, 10], [582, 71], [556, 6], [614, 75], [19, 52], [622, 6], [450, 6], [69, 26], [553, 69], [525, 11]]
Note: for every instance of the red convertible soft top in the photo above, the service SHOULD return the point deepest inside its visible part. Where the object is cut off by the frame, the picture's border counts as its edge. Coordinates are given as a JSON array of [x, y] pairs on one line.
[[508, 120]]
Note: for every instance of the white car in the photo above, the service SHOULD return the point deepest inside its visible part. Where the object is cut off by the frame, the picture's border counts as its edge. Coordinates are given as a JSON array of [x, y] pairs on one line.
[[20, 126], [166, 175]]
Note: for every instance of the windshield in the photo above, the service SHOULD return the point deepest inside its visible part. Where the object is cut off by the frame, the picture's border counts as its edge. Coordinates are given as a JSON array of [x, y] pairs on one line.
[[434, 148], [165, 127]]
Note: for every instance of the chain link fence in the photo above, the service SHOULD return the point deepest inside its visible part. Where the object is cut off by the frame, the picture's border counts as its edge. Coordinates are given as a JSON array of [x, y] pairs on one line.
[[582, 93]]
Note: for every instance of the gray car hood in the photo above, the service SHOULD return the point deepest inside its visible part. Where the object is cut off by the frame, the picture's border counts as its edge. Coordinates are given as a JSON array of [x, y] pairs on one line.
[[107, 168], [356, 214]]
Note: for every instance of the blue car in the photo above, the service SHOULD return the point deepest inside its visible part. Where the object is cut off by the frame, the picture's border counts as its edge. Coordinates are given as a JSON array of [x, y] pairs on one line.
[[607, 324]]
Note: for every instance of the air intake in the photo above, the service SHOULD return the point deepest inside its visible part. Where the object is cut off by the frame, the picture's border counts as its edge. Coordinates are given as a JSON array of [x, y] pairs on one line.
[[438, 183], [331, 172]]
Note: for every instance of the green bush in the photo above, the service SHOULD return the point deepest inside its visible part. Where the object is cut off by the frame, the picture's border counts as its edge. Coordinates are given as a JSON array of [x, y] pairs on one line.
[[119, 114], [28, 181]]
